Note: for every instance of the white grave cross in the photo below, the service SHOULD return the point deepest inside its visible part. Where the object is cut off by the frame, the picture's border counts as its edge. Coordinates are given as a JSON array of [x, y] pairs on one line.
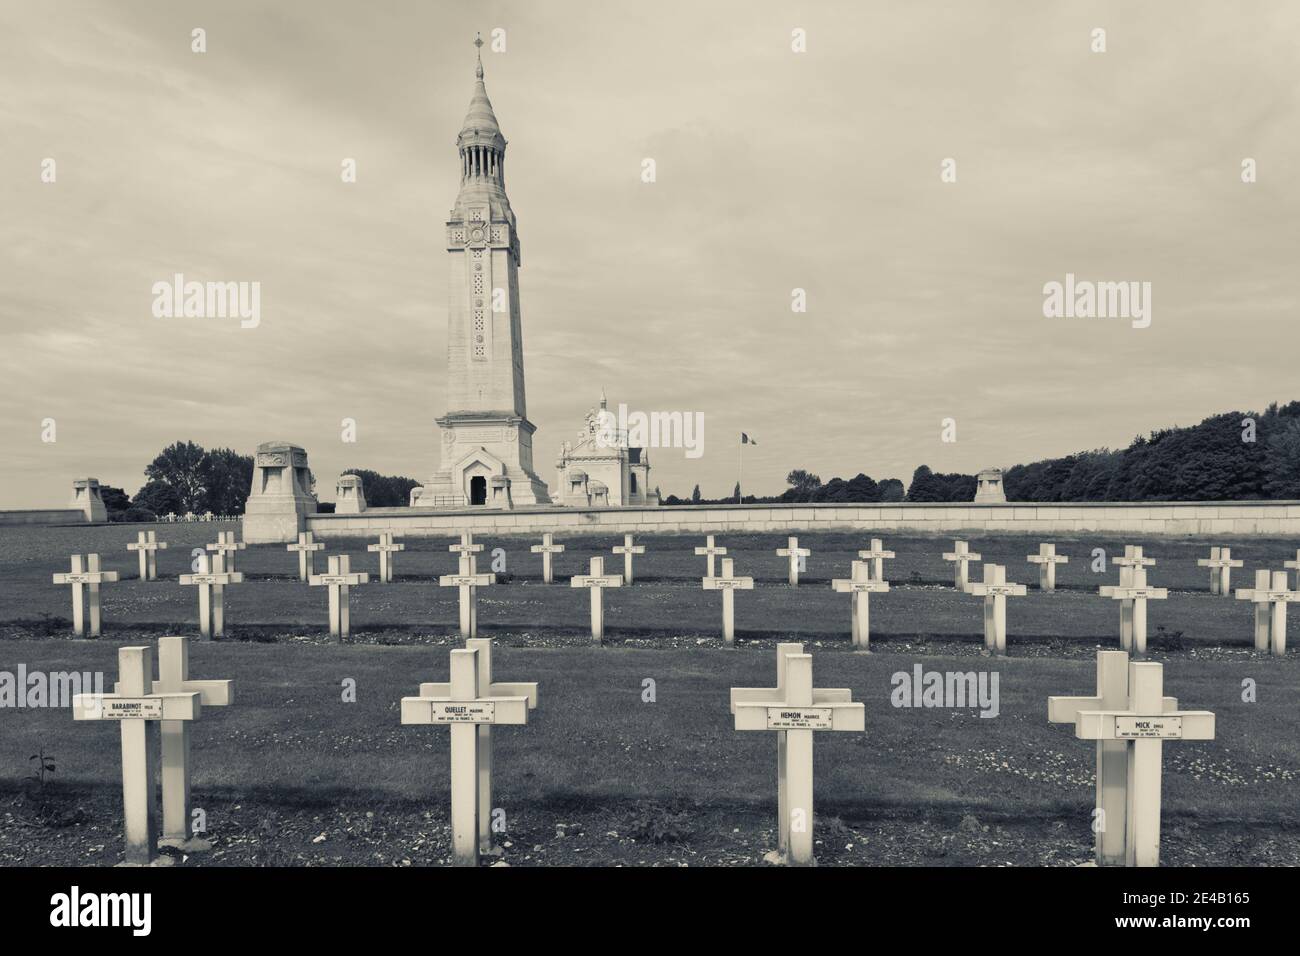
[[796, 711], [387, 549], [339, 579], [995, 590], [1220, 563], [1295, 565], [1133, 607], [1271, 597], [486, 688], [710, 551], [227, 547], [147, 543], [1111, 808], [728, 584], [1047, 559], [596, 582], [138, 707], [963, 556], [85, 573], [547, 548], [796, 555], [876, 554], [468, 581], [306, 547], [211, 579], [627, 550], [465, 707], [1143, 726], [860, 585]]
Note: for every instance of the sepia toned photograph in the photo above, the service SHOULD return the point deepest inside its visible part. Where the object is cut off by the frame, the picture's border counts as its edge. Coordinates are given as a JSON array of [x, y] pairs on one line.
[[852, 441]]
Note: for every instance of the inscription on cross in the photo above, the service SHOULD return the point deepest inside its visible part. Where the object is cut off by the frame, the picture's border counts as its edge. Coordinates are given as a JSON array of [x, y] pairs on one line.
[[387, 549], [796, 556], [547, 548], [860, 585], [596, 582], [138, 707], [339, 578], [464, 707], [147, 543], [227, 547], [627, 550], [728, 584], [1047, 559], [211, 580], [1271, 597], [1220, 563], [85, 574], [962, 556], [795, 711], [306, 547], [995, 590]]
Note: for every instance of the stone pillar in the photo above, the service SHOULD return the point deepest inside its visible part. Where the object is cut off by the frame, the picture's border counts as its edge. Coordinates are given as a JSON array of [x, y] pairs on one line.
[[86, 499], [350, 496], [598, 494], [988, 487], [499, 492], [281, 497]]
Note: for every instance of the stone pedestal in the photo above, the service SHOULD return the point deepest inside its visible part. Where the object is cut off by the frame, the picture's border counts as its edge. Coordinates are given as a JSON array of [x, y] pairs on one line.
[[86, 499], [988, 487], [350, 496], [281, 497]]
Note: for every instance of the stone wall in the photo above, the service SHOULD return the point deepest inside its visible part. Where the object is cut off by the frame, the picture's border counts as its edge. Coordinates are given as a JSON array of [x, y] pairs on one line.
[[43, 516], [1236, 518]]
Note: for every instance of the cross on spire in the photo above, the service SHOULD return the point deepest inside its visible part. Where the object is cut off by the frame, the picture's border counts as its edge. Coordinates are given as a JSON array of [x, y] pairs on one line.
[[478, 43]]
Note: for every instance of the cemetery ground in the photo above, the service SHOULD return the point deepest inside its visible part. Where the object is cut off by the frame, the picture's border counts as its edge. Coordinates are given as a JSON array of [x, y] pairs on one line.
[[292, 775]]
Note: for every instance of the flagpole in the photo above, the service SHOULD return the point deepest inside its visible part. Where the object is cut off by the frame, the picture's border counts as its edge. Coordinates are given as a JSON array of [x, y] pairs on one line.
[[740, 479]]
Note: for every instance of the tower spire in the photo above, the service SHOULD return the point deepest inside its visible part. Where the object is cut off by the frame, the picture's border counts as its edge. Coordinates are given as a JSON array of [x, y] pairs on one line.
[[478, 42]]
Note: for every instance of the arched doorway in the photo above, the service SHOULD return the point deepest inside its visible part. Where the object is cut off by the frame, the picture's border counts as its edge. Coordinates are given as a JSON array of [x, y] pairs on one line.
[[478, 490]]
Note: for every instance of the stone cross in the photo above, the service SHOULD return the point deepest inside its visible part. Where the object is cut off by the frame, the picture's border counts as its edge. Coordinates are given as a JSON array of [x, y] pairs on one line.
[[794, 553], [227, 545], [487, 687], [596, 582], [1296, 566], [468, 581], [995, 590], [1133, 607], [1047, 559], [306, 547], [1142, 726], [173, 678], [962, 555], [147, 543], [547, 548], [860, 585], [1132, 559], [138, 706], [876, 554], [468, 552], [211, 579], [1109, 823], [339, 579], [387, 549], [85, 573], [1220, 564], [710, 550], [728, 585], [627, 550], [465, 706], [1270, 622], [795, 709]]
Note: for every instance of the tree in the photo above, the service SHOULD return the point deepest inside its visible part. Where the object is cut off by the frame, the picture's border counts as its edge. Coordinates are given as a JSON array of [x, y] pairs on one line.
[[180, 468], [804, 483], [891, 489], [695, 495], [158, 498], [736, 493], [115, 500], [924, 486], [228, 478], [1282, 461]]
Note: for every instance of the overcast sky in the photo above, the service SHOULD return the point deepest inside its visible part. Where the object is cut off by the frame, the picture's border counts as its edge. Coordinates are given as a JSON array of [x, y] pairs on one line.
[[776, 170]]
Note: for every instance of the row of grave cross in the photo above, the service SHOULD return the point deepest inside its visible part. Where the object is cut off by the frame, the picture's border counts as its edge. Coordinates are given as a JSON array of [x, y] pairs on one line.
[[1128, 717], [216, 571]]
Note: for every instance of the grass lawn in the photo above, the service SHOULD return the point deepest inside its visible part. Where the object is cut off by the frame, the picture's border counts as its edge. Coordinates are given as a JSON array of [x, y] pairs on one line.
[[293, 775]]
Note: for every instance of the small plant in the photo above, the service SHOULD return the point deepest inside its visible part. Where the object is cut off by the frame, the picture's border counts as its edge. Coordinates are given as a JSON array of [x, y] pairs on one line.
[[44, 766], [654, 823]]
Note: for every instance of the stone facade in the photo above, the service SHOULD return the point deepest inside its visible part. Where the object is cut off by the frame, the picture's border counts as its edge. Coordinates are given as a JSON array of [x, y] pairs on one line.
[[87, 499], [600, 470], [988, 487], [486, 433], [280, 499], [349, 495]]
